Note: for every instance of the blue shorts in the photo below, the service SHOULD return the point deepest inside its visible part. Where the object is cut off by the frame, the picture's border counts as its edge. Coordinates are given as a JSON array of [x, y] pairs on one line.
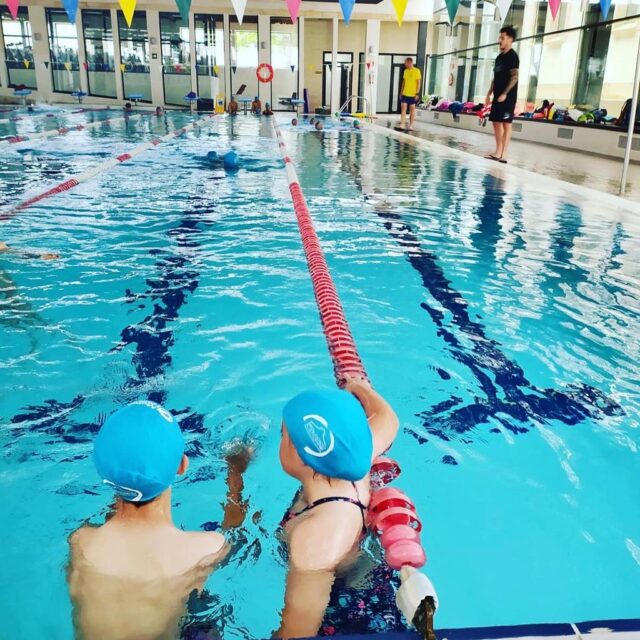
[[408, 100]]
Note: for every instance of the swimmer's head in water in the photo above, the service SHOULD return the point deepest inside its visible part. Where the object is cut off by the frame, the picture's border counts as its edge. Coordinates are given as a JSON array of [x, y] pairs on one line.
[[231, 161], [212, 156], [312, 121], [319, 126], [294, 122], [139, 450], [330, 433], [356, 124]]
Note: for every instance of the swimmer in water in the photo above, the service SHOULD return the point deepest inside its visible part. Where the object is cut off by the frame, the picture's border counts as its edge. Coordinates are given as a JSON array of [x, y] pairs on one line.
[[312, 121], [127, 107], [319, 126], [130, 578], [328, 444], [267, 110], [294, 122], [159, 111], [232, 107], [256, 106]]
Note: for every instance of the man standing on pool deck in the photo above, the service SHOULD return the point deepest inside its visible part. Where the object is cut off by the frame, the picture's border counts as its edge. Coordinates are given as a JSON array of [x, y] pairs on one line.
[[505, 92], [130, 578], [410, 93]]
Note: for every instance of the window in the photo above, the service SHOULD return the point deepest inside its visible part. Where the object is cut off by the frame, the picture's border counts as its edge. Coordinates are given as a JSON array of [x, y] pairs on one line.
[[134, 55], [63, 49], [18, 49], [284, 60], [98, 42], [176, 60], [210, 66], [244, 55], [345, 76]]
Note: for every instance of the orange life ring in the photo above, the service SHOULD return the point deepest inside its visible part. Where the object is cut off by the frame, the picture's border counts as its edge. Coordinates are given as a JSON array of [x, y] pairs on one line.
[[451, 79], [260, 72]]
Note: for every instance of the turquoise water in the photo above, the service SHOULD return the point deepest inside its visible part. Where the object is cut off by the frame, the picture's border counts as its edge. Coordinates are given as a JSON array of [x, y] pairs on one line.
[[499, 316]]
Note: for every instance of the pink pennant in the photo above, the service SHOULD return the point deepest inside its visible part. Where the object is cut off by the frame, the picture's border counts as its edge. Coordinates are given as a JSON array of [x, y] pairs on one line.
[[13, 8], [293, 6], [554, 5], [85, 65], [368, 65]]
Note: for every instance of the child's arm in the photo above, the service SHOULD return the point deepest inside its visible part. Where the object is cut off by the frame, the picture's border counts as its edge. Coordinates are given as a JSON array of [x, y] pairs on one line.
[[382, 418]]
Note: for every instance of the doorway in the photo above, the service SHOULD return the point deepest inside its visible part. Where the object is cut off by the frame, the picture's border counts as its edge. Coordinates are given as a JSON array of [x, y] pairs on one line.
[[389, 75], [345, 77]]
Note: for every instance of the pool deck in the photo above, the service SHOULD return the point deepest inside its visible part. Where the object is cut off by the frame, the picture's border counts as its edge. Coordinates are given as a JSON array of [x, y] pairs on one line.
[[592, 171], [593, 630]]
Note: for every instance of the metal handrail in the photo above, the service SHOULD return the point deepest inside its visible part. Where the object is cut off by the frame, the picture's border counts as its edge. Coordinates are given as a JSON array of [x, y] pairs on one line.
[[367, 105]]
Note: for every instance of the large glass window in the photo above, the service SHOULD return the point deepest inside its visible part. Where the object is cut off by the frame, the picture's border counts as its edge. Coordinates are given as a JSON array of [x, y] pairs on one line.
[[210, 65], [134, 55], [63, 49], [98, 42], [18, 49], [176, 59], [284, 60], [592, 60], [244, 55]]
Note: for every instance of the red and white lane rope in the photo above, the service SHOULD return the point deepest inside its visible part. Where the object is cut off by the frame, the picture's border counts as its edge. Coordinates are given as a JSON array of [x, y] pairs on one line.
[[61, 131], [342, 348], [102, 167]]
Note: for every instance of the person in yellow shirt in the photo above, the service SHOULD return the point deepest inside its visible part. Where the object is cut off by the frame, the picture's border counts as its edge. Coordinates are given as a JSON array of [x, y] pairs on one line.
[[410, 93]]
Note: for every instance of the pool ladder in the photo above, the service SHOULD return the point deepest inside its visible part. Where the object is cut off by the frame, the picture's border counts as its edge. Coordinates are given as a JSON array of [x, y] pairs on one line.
[[368, 114]]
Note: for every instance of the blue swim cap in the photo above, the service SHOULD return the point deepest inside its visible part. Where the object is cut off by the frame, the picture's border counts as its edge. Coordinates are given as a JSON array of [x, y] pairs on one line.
[[330, 432], [212, 156], [138, 451], [231, 160]]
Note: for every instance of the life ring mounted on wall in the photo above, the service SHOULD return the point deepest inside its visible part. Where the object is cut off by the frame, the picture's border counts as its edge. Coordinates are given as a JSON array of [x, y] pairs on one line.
[[264, 72]]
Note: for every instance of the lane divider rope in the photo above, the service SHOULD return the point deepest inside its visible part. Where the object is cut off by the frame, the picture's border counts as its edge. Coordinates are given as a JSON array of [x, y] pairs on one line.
[[103, 166], [61, 131], [342, 347]]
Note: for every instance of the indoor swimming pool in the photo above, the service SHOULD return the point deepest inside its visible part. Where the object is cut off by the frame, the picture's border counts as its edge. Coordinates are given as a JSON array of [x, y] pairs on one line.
[[498, 315]]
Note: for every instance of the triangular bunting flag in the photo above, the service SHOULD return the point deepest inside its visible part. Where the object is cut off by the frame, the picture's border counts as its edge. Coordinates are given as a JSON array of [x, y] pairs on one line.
[[605, 5], [400, 6], [128, 7], [234, 68], [293, 7], [239, 6], [67, 66], [13, 8], [123, 66], [347, 9], [27, 63], [46, 63], [105, 67], [216, 69], [554, 5], [71, 7], [503, 8], [86, 66], [183, 7], [452, 9], [178, 68], [293, 68]]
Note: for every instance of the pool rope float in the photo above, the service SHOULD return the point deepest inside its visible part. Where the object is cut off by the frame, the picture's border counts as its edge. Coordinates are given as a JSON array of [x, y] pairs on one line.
[[392, 514], [104, 166]]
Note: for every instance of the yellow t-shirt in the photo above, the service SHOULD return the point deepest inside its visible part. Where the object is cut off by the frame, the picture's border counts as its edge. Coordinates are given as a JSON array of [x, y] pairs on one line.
[[411, 79]]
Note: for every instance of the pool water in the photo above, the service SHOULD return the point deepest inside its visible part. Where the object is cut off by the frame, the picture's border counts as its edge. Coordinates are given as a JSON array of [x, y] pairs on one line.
[[498, 315]]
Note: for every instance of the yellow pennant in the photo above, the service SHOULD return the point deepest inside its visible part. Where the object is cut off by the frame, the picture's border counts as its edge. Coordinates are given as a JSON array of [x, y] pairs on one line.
[[400, 6], [128, 7], [216, 69], [312, 67], [27, 63], [122, 66], [67, 66]]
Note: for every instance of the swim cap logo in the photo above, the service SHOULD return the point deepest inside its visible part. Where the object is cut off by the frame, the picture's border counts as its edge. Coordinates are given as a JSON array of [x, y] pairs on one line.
[[321, 436], [161, 410], [126, 493]]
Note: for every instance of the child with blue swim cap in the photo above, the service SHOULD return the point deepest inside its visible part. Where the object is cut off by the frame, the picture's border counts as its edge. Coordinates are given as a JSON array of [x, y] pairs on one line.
[[131, 577], [329, 441]]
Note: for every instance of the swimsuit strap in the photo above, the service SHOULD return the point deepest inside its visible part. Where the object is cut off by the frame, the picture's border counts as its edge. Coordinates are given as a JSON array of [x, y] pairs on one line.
[[316, 503]]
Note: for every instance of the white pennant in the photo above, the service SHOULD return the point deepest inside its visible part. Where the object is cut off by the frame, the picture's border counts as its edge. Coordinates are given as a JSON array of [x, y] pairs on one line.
[[503, 8], [239, 6]]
